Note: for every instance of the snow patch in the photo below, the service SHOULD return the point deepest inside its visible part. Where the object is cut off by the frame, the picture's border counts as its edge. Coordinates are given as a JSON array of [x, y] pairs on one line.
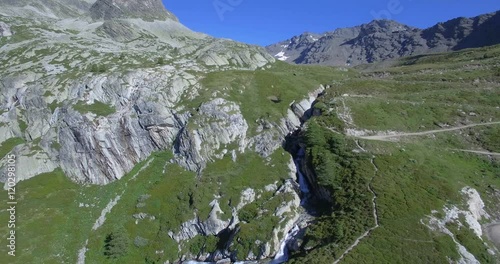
[[281, 56], [313, 38]]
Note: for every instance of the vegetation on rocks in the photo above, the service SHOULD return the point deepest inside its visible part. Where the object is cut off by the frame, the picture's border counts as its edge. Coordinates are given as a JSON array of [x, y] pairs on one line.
[[97, 108]]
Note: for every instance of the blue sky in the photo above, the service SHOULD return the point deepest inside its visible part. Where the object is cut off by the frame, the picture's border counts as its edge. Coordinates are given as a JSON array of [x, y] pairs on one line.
[[265, 22]]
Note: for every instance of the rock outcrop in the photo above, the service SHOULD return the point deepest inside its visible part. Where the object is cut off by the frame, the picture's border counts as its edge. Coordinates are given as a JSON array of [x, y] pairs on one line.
[[217, 54], [5, 30], [96, 146], [272, 135], [218, 124], [213, 225], [288, 212]]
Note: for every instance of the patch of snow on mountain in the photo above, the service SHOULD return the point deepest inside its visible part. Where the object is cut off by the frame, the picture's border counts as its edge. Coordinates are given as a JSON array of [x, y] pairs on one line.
[[281, 56]]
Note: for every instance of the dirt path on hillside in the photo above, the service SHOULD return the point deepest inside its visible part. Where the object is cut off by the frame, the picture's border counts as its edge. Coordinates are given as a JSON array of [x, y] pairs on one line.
[[398, 135], [479, 152]]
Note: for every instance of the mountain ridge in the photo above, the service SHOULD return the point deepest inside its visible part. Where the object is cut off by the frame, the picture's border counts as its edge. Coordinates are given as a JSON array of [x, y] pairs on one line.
[[148, 9], [381, 40]]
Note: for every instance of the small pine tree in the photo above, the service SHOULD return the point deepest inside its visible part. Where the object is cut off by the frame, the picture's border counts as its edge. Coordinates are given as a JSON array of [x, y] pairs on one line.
[[116, 244], [160, 61]]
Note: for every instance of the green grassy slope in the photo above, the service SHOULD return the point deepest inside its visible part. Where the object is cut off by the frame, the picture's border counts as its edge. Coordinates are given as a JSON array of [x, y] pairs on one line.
[[419, 174], [416, 174]]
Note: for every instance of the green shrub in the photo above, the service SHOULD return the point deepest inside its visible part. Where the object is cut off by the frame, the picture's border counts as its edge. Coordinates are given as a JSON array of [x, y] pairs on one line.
[[94, 68], [22, 125], [496, 71], [249, 212], [8, 145], [98, 108]]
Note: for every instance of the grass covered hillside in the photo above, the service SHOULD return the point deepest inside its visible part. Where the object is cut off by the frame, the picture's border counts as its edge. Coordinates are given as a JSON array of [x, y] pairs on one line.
[[420, 138], [390, 188]]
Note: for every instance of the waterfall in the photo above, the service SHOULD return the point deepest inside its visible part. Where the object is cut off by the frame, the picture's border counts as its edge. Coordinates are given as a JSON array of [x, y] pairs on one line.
[[303, 184], [283, 254]]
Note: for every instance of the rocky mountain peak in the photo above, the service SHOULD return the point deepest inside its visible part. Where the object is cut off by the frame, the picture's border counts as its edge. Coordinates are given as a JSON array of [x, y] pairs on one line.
[[383, 26], [145, 9], [387, 40]]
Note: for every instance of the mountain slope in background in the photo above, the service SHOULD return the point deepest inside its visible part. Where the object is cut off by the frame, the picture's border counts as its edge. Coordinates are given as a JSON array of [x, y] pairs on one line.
[[147, 9], [45, 8], [382, 40]]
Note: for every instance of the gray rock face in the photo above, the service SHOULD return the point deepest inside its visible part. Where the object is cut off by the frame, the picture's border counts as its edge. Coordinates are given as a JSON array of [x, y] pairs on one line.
[[146, 9], [108, 147], [93, 147], [218, 124], [382, 40], [217, 54], [211, 226], [5, 30], [46, 8], [30, 164], [268, 141], [121, 31]]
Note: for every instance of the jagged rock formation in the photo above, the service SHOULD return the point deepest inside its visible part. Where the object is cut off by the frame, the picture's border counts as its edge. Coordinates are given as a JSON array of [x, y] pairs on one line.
[[382, 40]]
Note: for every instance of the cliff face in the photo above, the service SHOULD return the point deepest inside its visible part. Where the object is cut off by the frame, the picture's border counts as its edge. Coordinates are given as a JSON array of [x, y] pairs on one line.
[[95, 99], [382, 40]]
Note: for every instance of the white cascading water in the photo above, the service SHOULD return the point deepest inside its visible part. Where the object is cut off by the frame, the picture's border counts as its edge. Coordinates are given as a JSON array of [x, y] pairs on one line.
[[282, 256], [303, 184]]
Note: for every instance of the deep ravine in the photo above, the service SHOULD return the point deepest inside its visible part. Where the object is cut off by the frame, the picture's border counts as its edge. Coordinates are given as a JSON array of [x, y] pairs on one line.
[[283, 254]]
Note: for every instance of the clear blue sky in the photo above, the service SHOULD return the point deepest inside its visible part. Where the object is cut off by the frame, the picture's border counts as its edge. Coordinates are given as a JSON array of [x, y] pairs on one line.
[[265, 22]]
